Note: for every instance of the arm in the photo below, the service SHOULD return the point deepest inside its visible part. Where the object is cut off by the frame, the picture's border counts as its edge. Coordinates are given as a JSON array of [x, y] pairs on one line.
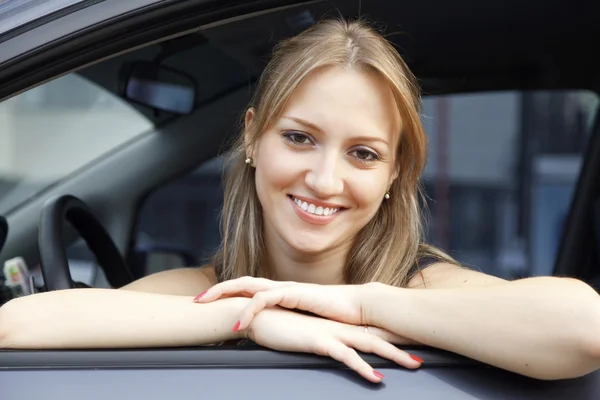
[[545, 327], [181, 281], [108, 318], [156, 310]]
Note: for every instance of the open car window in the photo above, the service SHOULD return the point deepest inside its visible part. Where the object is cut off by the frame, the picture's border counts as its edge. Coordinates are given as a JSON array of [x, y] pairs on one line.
[[52, 130]]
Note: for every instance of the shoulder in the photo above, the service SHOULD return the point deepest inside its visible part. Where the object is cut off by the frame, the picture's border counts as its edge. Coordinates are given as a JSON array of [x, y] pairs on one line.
[[430, 262], [421, 263], [181, 281]]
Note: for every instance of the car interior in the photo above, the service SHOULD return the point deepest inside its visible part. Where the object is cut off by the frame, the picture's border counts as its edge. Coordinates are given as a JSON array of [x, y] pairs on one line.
[[510, 99]]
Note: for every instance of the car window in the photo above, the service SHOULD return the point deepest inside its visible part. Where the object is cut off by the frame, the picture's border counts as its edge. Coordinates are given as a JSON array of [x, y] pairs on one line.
[[499, 181], [501, 172], [52, 130]]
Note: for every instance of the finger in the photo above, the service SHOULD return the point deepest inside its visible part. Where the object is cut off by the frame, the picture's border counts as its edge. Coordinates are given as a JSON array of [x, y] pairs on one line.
[[348, 356], [246, 286], [277, 297], [368, 343]]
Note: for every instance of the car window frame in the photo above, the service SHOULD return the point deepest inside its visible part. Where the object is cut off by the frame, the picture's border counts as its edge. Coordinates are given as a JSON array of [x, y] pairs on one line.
[[576, 255], [130, 25], [40, 18]]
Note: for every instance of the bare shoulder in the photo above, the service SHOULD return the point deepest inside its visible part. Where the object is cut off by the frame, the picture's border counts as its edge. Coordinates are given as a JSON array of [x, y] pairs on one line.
[[181, 281]]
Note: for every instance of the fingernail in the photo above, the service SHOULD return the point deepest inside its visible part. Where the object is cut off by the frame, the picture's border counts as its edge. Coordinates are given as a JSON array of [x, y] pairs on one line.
[[416, 358], [236, 327], [378, 374], [200, 295]]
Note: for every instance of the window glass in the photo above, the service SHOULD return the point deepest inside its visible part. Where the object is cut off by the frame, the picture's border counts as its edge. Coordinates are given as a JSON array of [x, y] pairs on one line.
[[501, 172], [52, 130], [499, 180]]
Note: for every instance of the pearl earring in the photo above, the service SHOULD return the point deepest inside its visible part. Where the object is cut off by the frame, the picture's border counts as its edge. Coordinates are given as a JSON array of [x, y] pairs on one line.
[[387, 195], [248, 161]]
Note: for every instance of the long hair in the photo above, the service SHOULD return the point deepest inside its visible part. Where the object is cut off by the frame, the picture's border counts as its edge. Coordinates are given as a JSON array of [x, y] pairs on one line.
[[388, 247]]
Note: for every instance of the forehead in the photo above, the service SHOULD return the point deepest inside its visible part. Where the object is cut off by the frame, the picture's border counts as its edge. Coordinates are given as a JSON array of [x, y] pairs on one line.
[[344, 99]]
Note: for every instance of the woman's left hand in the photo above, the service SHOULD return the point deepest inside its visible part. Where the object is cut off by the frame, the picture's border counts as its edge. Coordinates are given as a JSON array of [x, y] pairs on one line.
[[336, 302]]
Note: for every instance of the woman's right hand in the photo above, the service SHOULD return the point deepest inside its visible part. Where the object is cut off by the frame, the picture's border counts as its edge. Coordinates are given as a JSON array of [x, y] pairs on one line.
[[285, 330]]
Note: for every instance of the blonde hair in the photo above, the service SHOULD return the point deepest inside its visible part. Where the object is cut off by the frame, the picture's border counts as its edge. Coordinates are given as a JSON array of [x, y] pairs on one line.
[[390, 245]]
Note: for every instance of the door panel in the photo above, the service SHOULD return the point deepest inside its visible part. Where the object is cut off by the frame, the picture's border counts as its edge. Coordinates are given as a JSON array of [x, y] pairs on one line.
[[282, 383]]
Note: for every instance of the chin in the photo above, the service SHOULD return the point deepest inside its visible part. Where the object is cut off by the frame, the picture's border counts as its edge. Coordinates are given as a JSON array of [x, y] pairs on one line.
[[308, 244]]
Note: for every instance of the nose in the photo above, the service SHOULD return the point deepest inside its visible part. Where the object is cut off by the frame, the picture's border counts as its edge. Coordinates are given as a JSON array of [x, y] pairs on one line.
[[324, 176]]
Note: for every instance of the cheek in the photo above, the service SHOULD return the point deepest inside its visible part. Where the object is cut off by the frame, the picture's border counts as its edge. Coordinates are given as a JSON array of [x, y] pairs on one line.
[[275, 169], [368, 188]]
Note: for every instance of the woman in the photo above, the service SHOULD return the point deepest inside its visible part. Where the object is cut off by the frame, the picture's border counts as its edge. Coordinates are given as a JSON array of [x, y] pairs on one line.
[[322, 215]]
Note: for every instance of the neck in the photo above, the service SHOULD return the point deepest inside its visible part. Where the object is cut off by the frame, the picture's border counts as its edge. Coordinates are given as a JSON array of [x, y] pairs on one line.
[[288, 264]]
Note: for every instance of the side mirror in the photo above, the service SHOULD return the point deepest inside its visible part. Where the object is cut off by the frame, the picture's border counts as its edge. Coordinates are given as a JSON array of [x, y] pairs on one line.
[[161, 88]]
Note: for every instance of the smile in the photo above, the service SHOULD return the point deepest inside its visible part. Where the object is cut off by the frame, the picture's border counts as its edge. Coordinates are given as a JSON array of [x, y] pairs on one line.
[[314, 214], [313, 209]]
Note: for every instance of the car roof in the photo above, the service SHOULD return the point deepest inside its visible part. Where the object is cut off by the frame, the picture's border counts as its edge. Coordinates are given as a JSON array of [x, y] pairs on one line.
[[458, 46], [18, 13], [463, 45]]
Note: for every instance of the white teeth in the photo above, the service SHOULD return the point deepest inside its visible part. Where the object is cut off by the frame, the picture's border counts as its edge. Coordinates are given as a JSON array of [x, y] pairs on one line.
[[311, 208]]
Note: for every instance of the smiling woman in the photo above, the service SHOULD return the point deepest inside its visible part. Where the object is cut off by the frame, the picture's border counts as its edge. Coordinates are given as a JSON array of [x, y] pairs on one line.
[[321, 215], [322, 160], [342, 131]]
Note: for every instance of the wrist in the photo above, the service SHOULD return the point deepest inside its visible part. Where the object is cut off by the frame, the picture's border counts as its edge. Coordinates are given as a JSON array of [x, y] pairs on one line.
[[232, 312], [382, 305]]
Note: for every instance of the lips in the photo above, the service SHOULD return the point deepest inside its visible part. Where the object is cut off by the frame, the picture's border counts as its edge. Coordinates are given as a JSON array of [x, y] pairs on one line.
[[312, 216], [315, 209]]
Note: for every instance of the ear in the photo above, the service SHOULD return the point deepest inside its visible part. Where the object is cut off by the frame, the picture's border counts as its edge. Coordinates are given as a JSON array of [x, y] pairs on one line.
[[249, 117], [394, 176]]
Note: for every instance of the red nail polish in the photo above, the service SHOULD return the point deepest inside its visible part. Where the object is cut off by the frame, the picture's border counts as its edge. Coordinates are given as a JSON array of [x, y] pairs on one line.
[[236, 327], [416, 358], [200, 295], [378, 374]]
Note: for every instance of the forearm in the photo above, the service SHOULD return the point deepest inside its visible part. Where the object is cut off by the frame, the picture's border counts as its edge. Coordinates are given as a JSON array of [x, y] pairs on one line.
[[547, 328], [103, 318]]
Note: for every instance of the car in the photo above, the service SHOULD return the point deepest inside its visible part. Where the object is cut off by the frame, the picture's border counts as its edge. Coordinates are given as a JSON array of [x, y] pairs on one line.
[[113, 117]]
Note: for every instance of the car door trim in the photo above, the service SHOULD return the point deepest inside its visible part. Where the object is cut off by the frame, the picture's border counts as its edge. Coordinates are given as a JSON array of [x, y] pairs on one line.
[[107, 29], [207, 357]]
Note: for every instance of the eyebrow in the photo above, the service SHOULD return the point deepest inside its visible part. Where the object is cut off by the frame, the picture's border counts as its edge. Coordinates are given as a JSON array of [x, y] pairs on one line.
[[314, 127]]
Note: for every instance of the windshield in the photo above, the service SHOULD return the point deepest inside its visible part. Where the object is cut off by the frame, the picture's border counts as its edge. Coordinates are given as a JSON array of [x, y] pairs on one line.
[[15, 13], [50, 131]]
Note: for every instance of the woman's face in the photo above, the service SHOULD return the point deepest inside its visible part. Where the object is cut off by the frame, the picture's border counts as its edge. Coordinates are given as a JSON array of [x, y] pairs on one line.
[[323, 168]]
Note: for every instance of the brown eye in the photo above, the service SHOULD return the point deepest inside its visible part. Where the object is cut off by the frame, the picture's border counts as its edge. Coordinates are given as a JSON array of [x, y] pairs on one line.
[[297, 138], [364, 155]]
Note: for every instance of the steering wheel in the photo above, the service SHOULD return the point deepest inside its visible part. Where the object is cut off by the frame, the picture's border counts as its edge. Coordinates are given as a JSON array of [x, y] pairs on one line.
[[53, 255], [3, 231]]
